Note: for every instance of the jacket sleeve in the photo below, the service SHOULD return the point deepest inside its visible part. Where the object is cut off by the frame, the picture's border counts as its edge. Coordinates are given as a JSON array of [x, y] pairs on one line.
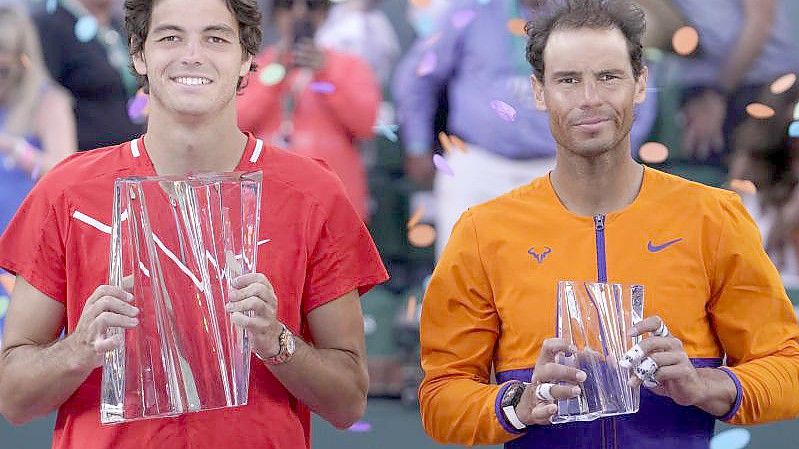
[[755, 323], [356, 95], [459, 329]]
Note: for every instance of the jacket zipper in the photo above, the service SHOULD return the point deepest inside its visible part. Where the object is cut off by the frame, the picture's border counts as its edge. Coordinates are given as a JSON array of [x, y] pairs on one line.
[[608, 426]]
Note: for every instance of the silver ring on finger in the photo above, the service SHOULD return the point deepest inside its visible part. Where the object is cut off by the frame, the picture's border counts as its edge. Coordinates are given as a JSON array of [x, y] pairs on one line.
[[651, 382], [662, 331], [543, 391], [647, 369]]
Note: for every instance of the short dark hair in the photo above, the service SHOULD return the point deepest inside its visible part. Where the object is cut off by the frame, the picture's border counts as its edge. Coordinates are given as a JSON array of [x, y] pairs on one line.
[[138, 14], [624, 15]]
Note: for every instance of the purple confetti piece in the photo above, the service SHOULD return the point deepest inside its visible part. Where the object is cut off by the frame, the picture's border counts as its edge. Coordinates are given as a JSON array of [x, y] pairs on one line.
[[136, 107], [463, 18], [360, 427], [323, 87], [504, 110], [428, 64], [442, 165]]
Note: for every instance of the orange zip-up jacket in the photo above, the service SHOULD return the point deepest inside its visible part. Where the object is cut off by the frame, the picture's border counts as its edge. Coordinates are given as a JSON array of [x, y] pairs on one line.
[[491, 302]]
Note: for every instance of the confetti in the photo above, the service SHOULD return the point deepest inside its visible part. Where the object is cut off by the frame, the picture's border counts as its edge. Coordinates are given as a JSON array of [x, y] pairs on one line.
[[410, 308], [430, 41], [86, 28], [360, 427], [685, 41], [516, 26], [653, 153], [796, 112], [424, 25], [483, 2], [3, 305], [793, 130], [51, 6], [463, 18], [7, 282], [369, 324], [137, 107], [459, 144], [783, 84], [445, 141], [759, 111], [442, 165], [416, 217], [272, 74], [428, 64], [323, 87], [731, 439], [420, 3], [388, 131], [422, 236], [504, 110], [743, 186]]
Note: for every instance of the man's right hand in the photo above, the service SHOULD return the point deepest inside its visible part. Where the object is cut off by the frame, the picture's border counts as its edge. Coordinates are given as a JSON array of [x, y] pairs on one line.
[[420, 169], [532, 410], [107, 307]]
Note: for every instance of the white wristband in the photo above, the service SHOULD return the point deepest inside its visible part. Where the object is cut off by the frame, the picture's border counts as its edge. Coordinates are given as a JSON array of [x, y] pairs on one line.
[[510, 414]]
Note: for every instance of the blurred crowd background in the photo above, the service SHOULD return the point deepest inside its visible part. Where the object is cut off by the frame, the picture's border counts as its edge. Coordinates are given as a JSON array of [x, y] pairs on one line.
[[424, 108]]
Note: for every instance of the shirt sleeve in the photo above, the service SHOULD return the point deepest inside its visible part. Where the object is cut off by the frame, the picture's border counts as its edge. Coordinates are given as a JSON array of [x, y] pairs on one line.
[[459, 330], [755, 323], [343, 256], [32, 245]]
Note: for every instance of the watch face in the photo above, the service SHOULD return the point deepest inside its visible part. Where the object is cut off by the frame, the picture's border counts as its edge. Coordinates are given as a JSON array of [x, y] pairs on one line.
[[512, 395]]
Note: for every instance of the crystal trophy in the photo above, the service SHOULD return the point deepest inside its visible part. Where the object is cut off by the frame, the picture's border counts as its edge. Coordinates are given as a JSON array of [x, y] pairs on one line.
[[176, 245], [596, 317]]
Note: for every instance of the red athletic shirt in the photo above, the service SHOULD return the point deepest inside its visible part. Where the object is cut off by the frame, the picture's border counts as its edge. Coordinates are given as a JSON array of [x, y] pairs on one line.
[[318, 250]]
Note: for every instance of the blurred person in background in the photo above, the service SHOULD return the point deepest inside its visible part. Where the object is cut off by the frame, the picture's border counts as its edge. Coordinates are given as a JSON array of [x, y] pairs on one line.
[[474, 56], [314, 101], [85, 50], [37, 127], [360, 28], [743, 46]]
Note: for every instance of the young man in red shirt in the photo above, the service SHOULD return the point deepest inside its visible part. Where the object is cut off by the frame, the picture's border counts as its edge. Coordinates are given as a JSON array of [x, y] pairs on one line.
[[192, 56]]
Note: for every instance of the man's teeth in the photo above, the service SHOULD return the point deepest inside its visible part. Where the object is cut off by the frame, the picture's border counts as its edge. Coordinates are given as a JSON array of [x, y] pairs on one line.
[[190, 81]]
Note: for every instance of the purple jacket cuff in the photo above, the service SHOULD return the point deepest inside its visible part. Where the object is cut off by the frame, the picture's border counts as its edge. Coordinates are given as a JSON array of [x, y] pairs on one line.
[[739, 394], [498, 409]]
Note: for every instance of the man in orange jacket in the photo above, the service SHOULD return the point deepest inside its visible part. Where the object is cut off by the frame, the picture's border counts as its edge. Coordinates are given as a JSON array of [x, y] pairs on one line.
[[600, 215]]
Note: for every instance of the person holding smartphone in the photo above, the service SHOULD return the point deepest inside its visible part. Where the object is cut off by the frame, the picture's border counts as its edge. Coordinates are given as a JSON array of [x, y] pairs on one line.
[[314, 101]]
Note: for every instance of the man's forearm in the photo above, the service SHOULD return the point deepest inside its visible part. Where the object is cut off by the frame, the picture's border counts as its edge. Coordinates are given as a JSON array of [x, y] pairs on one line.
[[332, 382], [36, 380], [720, 392]]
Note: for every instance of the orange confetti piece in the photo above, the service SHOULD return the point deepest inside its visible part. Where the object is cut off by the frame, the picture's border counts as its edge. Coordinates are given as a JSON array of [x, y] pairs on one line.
[[410, 308], [416, 217], [7, 282], [653, 152], [458, 143], [685, 41], [420, 3], [445, 141], [422, 235], [743, 186], [783, 84], [516, 26], [759, 111]]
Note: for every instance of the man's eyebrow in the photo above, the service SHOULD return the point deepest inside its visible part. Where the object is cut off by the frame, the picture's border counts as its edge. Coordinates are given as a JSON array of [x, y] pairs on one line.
[[164, 28], [221, 28], [565, 74]]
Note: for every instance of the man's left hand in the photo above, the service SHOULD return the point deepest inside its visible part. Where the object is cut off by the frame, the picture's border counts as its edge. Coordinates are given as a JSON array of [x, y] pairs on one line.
[[308, 55], [674, 374], [253, 306]]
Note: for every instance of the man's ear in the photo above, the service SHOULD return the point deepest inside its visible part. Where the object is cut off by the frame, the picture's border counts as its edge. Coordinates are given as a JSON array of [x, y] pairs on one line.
[[245, 66], [640, 86], [538, 93], [139, 64]]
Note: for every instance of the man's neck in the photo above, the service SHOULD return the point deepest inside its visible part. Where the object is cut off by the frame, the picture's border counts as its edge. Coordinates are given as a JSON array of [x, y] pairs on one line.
[[599, 185], [177, 147]]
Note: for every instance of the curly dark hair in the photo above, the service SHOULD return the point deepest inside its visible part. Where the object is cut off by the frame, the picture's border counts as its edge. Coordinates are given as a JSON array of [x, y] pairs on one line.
[[625, 15], [137, 24]]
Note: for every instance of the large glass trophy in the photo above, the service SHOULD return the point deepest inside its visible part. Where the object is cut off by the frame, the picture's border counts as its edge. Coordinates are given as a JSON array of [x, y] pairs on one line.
[[176, 245], [596, 318]]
